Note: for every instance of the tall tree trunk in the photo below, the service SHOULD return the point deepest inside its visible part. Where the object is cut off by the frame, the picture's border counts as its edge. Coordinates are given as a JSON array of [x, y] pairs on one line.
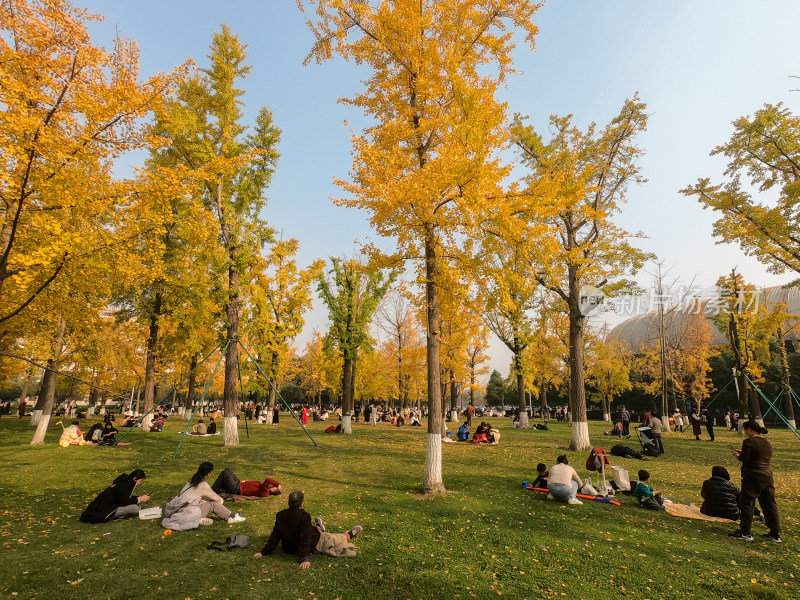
[[44, 422], [787, 385], [189, 403], [231, 391], [543, 397], [577, 391], [48, 381], [522, 403], [347, 395], [24, 395], [432, 479], [150, 362], [453, 398], [755, 408]]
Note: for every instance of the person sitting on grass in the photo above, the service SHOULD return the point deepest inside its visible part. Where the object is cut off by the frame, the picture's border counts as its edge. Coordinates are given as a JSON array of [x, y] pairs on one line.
[[108, 435], [492, 434], [228, 483], [646, 496], [541, 477], [294, 530], [563, 482], [463, 433], [481, 436], [400, 420], [199, 428], [197, 500], [117, 500], [415, 420], [71, 436], [157, 425], [720, 495], [212, 427], [94, 433]]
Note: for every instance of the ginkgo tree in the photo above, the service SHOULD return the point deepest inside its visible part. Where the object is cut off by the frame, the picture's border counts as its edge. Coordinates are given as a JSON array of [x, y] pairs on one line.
[[204, 131], [352, 294], [428, 166], [68, 108], [766, 149], [281, 294], [577, 183]]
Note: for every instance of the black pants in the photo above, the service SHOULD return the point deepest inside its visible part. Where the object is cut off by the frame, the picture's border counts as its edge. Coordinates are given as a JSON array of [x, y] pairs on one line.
[[227, 482], [657, 442], [654, 503], [710, 430], [761, 486], [626, 428]]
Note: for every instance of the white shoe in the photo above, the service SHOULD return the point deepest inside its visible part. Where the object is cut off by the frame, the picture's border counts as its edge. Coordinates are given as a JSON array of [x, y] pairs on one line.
[[206, 521], [237, 518], [550, 496], [573, 501]]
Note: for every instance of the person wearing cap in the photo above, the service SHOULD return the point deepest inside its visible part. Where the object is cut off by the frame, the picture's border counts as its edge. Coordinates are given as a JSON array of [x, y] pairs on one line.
[[296, 533]]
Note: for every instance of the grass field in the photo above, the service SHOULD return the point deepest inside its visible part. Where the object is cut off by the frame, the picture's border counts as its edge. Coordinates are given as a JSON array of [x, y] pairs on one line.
[[485, 537]]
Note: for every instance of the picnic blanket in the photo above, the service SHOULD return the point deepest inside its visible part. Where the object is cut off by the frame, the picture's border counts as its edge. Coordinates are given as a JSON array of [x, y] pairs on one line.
[[692, 512]]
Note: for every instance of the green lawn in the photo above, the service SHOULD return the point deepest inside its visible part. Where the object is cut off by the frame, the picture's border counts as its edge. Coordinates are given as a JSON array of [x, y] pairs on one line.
[[485, 537]]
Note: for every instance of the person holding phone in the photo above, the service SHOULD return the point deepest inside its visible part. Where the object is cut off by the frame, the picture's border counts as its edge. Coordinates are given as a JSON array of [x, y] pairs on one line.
[[116, 501]]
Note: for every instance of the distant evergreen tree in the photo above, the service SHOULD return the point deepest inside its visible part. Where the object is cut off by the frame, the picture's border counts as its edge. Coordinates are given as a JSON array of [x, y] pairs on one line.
[[494, 389]]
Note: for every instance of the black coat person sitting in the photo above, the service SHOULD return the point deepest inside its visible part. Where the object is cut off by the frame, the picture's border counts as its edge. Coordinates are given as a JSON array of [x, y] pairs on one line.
[[116, 501], [720, 495]]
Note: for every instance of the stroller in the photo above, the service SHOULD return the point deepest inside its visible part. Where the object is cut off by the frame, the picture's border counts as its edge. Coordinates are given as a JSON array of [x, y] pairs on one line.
[[648, 445]]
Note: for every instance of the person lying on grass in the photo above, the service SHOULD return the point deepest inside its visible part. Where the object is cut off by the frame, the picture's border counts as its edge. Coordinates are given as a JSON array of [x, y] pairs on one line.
[[117, 500], [293, 529], [646, 496], [228, 483]]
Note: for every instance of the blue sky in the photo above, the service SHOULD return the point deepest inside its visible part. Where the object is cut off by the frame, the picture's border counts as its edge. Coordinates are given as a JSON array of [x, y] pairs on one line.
[[698, 64]]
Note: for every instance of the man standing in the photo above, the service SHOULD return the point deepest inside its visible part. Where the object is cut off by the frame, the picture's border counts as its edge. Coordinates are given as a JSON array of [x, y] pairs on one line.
[[655, 430], [708, 419], [625, 417], [470, 414]]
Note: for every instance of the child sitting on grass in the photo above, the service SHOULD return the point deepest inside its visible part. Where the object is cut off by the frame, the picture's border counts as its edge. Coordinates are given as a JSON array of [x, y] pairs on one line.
[[646, 496], [541, 478]]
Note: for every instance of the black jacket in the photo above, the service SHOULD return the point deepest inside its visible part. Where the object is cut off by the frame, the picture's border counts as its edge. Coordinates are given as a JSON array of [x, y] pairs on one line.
[[294, 530], [720, 499], [102, 508]]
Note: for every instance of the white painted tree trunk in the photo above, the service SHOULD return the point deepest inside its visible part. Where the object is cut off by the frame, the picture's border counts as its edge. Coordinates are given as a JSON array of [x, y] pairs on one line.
[[36, 416], [147, 422], [580, 436], [791, 422], [453, 415], [187, 415], [41, 429], [269, 416], [347, 424], [231, 431], [607, 417], [523, 420], [432, 482], [760, 421], [182, 412]]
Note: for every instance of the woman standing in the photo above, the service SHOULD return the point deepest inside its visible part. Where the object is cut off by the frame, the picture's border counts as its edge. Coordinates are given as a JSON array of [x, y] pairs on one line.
[[694, 418], [757, 483]]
